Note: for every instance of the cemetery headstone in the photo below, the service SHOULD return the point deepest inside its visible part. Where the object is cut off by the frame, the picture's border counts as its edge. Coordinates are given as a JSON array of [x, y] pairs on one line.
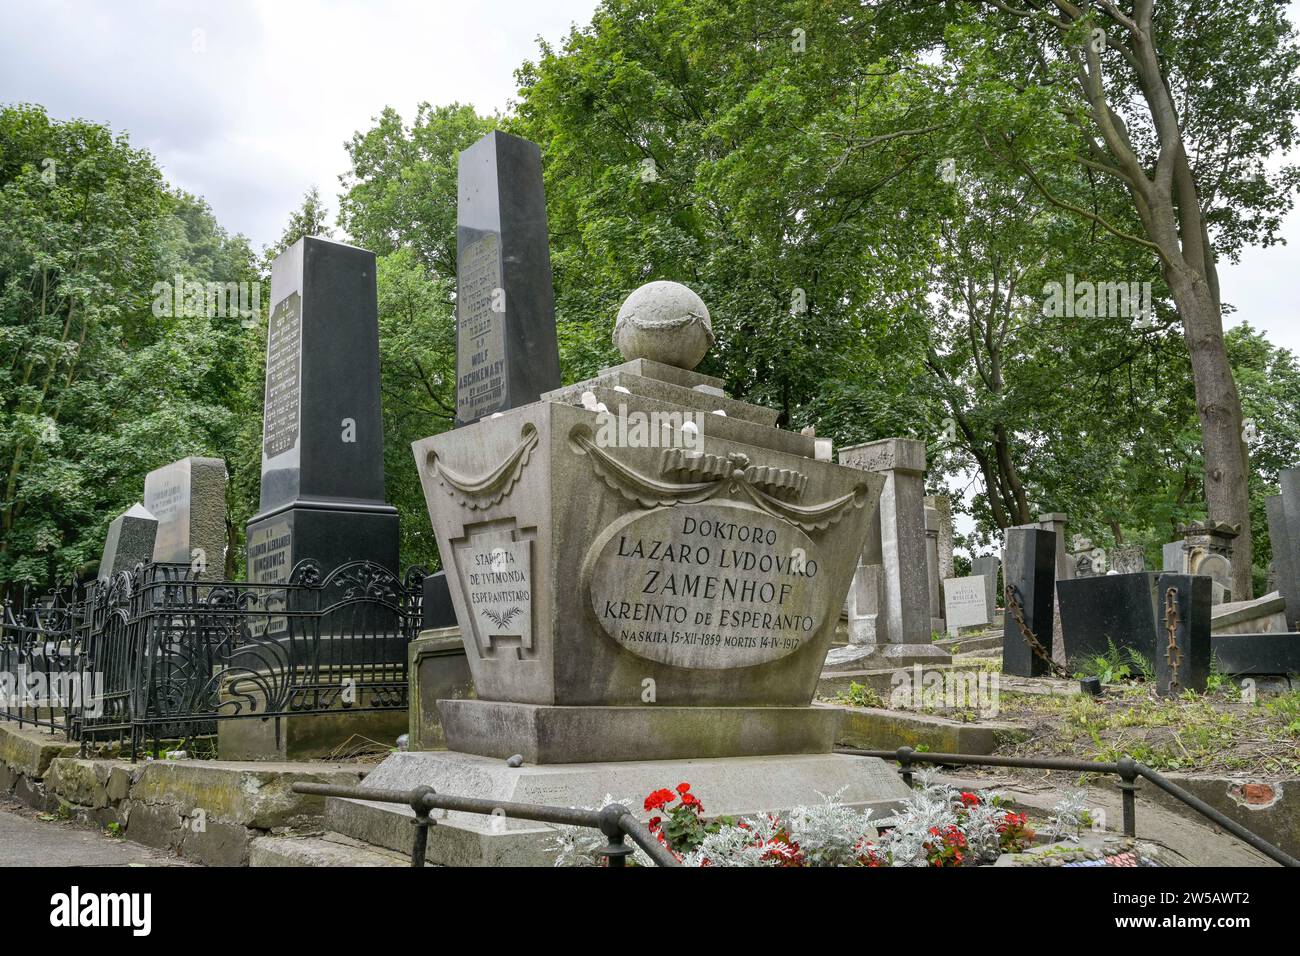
[[1283, 523], [188, 497], [506, 352], [323, 432], [1105, 611], [1183, 634], [942, 505], [901, 587], [436, 609], [1257, 653], [966, 603], [989, 567], [934, 583], [1056, 522], [129, 542], [1030, 573], [1127, 560], [1173, 558]]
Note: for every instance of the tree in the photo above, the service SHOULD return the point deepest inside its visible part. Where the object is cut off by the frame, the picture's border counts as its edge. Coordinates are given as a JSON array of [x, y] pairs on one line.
[[1179, 107]]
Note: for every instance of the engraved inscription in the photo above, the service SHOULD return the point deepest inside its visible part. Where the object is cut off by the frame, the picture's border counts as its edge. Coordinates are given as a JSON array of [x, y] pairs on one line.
[[712, 585], [480, 330], [270, 554], [283, 382]]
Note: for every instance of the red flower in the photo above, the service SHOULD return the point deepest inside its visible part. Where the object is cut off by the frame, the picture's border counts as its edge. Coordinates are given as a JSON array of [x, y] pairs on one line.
[[658, 799], [969, 799], [654, 823], [683, 787]]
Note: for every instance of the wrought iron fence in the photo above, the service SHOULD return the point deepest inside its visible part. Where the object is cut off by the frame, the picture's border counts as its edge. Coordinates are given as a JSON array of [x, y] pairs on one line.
[[155, 653]]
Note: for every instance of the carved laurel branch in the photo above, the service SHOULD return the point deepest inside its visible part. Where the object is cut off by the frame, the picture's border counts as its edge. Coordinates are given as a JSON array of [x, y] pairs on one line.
[[651, 492], [480, 493]]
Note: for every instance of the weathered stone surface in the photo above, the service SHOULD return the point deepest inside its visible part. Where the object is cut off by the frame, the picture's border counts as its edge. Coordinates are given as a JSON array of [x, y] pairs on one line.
[[1263, 615], [966, 603], [867, 728], [535, 483], [30, 751], [321, 735], [188, 497], [1284, 571], [438, 671], [664, 322], [735, 786], [989, 566], [550, 735], [304, 851], [129, 542]]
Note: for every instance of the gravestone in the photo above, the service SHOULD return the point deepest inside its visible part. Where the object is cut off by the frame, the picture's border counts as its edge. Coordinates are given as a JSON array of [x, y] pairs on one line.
[[934, 583], [436, 610], [188, 497], [989, 567], [129, 542], [1263, 615], [640, 598], [1257, 653], [1127, 560], [1173, 558], [966, 603], [1107, 610], [942, 505], [1283, 571], [1207, 550], [1183, 633], [506, 352], [894, 569], [323, 432], [1056, 522], [1030, 573]]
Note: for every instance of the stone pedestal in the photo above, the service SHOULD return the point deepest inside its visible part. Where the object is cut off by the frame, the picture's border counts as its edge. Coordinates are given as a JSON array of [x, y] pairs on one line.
[[736, 786]]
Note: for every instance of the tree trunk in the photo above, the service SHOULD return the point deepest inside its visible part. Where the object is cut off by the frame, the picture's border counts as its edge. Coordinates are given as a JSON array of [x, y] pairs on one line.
[[1218, 405]]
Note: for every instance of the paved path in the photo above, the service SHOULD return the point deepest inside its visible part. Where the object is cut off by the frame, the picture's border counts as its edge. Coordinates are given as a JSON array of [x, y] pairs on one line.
[[28, 841]]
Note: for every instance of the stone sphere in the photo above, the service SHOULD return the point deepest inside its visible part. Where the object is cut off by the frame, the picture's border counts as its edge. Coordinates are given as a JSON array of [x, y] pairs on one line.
[[664, 322]]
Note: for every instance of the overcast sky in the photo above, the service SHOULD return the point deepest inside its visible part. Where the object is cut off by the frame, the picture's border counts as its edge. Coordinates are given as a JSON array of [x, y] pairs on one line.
[[249, 104]]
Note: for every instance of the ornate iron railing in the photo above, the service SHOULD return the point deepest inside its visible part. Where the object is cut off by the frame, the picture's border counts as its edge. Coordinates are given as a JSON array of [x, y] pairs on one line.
[[154, 653]]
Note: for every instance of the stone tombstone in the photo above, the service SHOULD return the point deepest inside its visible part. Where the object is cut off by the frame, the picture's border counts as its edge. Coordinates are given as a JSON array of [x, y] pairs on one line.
[[891, 591], [506, 352], [188, 497], [1127, 559], [942, 505], [1257, 653], [1107, 610], [130, 541], [1283, 572], [1173, 558], [966, 603], [989, 567], [322, 495], [934, 583], [436, 610], [629, 592], [1183, 633], [1030, 574]]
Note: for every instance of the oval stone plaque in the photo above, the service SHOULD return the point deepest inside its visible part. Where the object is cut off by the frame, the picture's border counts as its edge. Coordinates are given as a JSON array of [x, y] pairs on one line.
[[711, 585]]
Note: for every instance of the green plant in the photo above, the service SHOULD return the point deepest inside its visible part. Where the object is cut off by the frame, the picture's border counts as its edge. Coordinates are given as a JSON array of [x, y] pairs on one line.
[[860, 695], [1116, 665]]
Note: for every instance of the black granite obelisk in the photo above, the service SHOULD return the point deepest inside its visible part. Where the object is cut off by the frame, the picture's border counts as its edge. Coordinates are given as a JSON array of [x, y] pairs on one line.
[[1030, 576], [506, 352], [322, 432]]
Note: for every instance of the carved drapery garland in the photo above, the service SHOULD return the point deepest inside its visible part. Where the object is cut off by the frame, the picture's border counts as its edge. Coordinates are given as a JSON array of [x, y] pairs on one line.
[[742, 477], [478, 494]]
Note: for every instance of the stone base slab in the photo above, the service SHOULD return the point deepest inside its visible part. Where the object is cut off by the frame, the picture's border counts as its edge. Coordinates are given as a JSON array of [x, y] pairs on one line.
[[545, 734], [736, 786], [855, 657]]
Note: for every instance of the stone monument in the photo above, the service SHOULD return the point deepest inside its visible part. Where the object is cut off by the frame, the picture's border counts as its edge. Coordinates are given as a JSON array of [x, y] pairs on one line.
[[1030, 573], [323, 431], [646, 591], [989, 567], [890, 612], [506, 354], [130, 541], [967, 603], [188, 497]]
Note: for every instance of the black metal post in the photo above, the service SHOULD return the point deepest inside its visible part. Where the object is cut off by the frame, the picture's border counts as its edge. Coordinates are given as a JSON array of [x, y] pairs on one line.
[[905, 764], [420, 843], [616, 851], [1128, 792]]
